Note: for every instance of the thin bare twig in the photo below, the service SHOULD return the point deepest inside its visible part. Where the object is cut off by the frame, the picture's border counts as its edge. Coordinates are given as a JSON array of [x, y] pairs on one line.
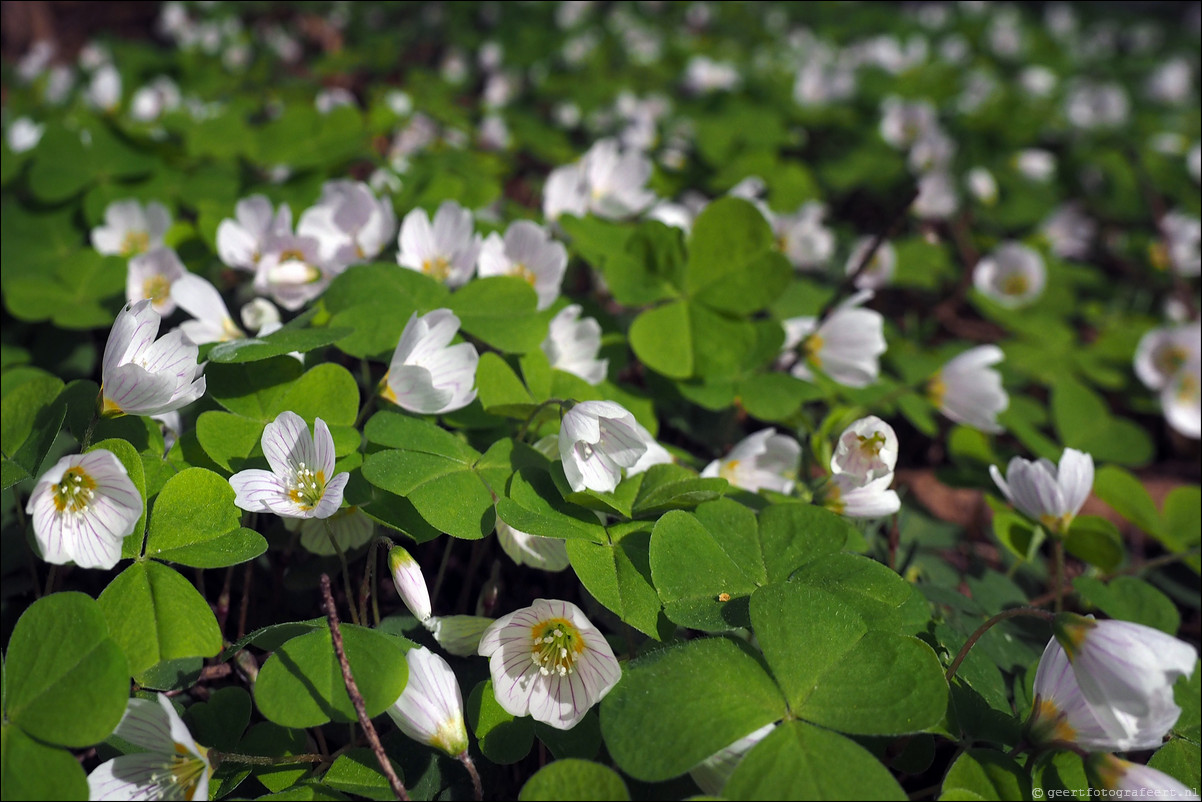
[[352, 690]]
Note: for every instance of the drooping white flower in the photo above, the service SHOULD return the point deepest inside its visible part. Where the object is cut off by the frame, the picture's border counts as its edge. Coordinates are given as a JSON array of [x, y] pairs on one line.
[[350, 527], [1126, 671], [528, 252], [1049, 494], [301, 482], [151, 275], [458, 634], [1183, 239], [765, 460], [712, 773], [866, 450], [879, 270], [142, 376], [427, 374], [572, 345], [83, 508], [447, 249], [1164, 352], [596, 440], [802, 237], [536, 551], [1069, 231], [1126, 780], [174, 765], [846, 346], [351, 224], [292, 271], [1061, 715], [242, 241], [847, 495], [130, 229], [616, 180], [969, 391], [1013, 275], [1181, 399], [410, 583], [104, 90], [24, 134], [430, 709], [260, 316], [549, 662]]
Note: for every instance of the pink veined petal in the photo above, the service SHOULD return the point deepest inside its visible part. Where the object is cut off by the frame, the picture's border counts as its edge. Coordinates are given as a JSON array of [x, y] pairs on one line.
[[136, 391], [596, 471], [257, 490], [440, 327], [173, 354], [135, 328], [578, 426], [416, 240], [287, 442], [146, 724], [331, 500], [1000, 481], [1075, 478], [145, 775], [415, 391], [323, 447], [452, 228], [158, 220]]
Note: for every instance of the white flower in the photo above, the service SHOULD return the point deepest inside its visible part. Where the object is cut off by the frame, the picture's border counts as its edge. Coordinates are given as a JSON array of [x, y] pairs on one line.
[[493, 133], [1037, 81], [410, 583], [704, 75], [654, 455], [616, 180], [1181, 399], [1035, 164], [143, 377], [1171, 82], [565, 192], [1069, 231], [866, 450], [903, 122], [765, 460], [173, 766], [427, 374], [152, 275], [1183, 238], [937, 197], [150, 101], [130, 229], [1061, 715], [350, 526], [104, 90], [846, 346], [349, 222], [982, 185], [1090, 105], [528, 252], [879, 271], [969, 391], [1053, 496], [301, 482], [260, 315], [333, 97], [548, 662], [83, 508], [712, 773], [1013, 275], [802, 237], [1163, 353], [242, 241], [292, 271], [847, 495], [596, 440], [933, 151], [1125, 780], [572, 345], [24, 134], [430, 709], [1193, 161], [211, 321], [458, 634], [543, 553], [1126, 671], [36, 60], [446, 250]]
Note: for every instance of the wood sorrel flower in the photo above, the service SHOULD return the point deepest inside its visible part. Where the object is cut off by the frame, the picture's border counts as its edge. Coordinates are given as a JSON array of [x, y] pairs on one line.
[[866, 450], [410, 583], [130, 229], [142, 376], [427, 374], [152, 275], [83, 508], [572, 345], [430, 709], [1125, 780], [969, 391], [1053, 496], [301, 482], [764, 460], [846, 346], [173, 766], [548, 662], [446, 249], [528, 252], [597, 439], [1013, 275]]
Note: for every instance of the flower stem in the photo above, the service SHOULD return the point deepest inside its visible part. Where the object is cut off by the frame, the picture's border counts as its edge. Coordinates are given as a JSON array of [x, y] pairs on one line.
[[442, 570], [981, 630], [1058, 573], [346, 572], [352, 690], [534, 414], [369, 582], [216, 758], [466, 760]]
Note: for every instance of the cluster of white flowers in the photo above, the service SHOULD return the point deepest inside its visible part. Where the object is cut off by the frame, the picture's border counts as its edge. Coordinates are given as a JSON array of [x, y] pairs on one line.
[[608, 181], [1169, 361], [914, 126], [862, 470]]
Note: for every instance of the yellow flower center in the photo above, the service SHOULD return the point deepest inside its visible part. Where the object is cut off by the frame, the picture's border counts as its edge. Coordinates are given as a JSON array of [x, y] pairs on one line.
[[871, 446], [135, 242], [1168, 359], [157, 288], [307, 486], [1015, 284], [74, 492], [187, 769], [1049, 724], [812, 346], [438, 268], [1188, 390], [728, 469], [936, 390], [108, 407], [1056, 524], [1158, 255], [526, 274], [555, 646]]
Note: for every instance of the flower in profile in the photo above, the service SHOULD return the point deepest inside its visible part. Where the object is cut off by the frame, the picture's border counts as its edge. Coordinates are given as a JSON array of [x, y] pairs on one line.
[[142, 376], [654, 455], [536, 551], [83, 508], [152, 275], [1163, 352], [130, 228], [879, 270], [427, 374], [528, 252], [458, 634], [846, 346], [548, 662], [847, 495], [446, 249], [242, 241], [430, 709], [1181, 400], [712, 773], [866, 450], [1124, 779], [173, 765], [349, 221], [969, 391], [410, 583], [572, 345], [597, 439], [565, 192], [1060, 714], [802, 238], [1013, 275], [765, 460], [1049, 494], [1126, 671], [301, 482], [616, 180], [104, 90], [211, 321]]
